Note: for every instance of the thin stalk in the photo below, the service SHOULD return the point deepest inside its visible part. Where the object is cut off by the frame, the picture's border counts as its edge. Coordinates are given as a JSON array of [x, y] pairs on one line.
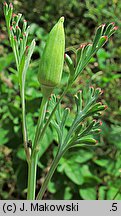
[[25, 138], [49, 175], [32, 168], [40, 121]]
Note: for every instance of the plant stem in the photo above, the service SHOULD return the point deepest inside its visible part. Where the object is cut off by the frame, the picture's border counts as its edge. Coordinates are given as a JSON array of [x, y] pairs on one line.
[[34, 156], [27, 150], [49, 175], [32, 168], [40, 122], [38, 136]]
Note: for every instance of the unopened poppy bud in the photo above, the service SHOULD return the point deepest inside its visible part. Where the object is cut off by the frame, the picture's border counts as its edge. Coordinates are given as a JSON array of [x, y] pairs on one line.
[[51, 62]]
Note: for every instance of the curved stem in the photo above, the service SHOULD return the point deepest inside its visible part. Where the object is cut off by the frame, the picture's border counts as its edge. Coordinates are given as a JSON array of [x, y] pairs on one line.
[[49, 175]]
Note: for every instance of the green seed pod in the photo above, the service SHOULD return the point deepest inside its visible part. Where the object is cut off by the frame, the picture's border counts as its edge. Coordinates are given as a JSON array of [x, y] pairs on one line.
[[51, 62]]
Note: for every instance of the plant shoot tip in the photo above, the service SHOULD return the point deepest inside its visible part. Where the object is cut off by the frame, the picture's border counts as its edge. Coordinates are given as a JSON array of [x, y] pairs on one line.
[[115, 28], [11, 5], [5, 3]]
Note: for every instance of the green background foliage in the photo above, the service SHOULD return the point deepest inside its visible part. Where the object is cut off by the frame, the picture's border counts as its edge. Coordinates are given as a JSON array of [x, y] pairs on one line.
[[81, 174]]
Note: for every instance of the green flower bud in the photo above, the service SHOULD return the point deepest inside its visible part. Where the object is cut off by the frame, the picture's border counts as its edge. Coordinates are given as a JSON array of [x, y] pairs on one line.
[[51, 62]]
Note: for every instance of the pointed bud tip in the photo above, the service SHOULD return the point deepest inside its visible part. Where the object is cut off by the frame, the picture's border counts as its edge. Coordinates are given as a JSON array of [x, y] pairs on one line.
[[115, 28], [11, 5], [5, 4], [61, 19]]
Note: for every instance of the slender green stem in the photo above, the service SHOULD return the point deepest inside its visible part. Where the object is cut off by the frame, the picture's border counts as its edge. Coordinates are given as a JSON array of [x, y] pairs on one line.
[[34, 157], [40, 122], [49, 175], [32, 168], [25, 138], [38, 136]]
